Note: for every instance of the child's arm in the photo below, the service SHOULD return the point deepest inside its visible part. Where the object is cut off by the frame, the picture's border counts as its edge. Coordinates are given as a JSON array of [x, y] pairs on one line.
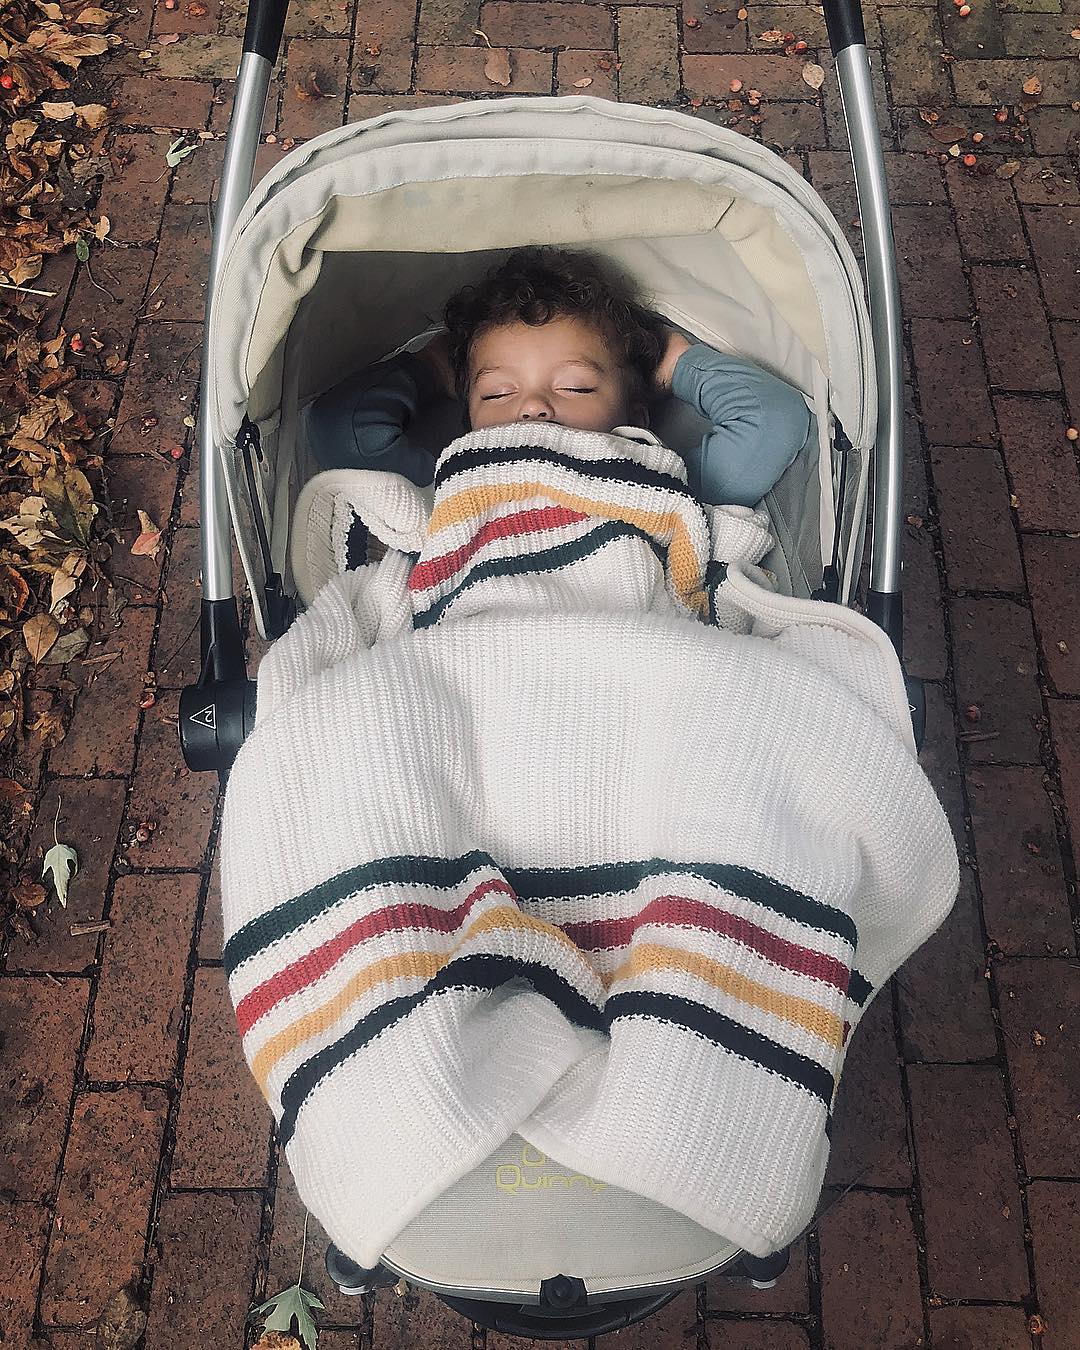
[[759, 423], [362, 423]]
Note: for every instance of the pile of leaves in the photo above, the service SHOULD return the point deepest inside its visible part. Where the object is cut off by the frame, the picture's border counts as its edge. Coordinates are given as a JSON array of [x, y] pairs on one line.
[[50, 556]]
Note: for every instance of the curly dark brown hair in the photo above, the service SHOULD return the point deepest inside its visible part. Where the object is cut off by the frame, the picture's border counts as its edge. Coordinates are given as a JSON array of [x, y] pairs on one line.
[[535, 285]]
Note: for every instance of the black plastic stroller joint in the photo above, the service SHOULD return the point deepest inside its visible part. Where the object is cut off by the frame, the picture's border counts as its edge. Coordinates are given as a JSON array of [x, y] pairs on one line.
[[216, 714], [547, 1321]]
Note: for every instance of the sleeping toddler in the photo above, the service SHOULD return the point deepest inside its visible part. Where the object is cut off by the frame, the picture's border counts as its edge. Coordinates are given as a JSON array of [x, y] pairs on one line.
[[551, 336]]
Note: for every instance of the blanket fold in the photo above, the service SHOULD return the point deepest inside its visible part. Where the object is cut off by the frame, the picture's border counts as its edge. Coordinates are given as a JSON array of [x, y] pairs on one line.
[[561, 824]]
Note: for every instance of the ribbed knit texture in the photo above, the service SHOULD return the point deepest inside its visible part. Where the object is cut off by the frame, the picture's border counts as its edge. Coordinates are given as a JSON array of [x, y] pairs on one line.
[[497, 860]]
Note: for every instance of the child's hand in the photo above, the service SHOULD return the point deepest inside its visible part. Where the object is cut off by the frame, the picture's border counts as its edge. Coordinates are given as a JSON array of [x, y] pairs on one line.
[[437, 356], [665, 371]]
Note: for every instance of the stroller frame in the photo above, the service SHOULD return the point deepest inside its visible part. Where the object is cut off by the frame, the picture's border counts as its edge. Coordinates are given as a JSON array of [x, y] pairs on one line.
[[217, 713]]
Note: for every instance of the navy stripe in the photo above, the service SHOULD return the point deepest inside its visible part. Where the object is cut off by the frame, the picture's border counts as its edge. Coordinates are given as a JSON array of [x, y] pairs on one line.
[[613, 470], [859, 988], [544, 560], [568, 883], [261, 932], [478, 973], [730, 1035]]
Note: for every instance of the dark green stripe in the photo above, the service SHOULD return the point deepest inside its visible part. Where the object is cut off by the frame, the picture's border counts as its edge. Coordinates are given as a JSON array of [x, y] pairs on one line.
[[568, 883], [544, 560], [610, 470], [479, 973], [724, 1031], [859, 988], [285, 918]]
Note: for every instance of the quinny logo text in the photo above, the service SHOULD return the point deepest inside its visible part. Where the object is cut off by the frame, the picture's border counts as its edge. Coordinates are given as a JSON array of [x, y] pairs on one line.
[[514, 1177]]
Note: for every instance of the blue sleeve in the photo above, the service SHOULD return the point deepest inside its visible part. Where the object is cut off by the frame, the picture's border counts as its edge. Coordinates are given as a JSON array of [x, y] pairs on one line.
[[362, 423], [759, 425]]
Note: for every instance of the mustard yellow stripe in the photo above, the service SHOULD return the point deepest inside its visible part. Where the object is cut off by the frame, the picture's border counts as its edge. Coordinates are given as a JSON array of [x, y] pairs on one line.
[[408, 965], [685, 568], [800, 1012]]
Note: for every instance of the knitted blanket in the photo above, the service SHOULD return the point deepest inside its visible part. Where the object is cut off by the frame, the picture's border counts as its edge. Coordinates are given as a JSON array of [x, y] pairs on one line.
[[529, 839]]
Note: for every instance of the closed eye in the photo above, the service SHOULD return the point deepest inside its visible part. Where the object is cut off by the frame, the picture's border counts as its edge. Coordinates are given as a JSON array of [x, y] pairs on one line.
[[486, 398], [572, 390]]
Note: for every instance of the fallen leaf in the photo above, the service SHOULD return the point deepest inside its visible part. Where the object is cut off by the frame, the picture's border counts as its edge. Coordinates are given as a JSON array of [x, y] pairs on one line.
[[149, 540], [67, 647], [93, 17], [197, 10], [583, 84], [92, 116], [61, 863], [1033, 86], [58, 112], [295, 1302], [947, 134], [310, 88], [813, 75], [771, 35], [497, 67], [1009, 169], [28, 895], [122, 1322], [277, 1340], [39, 633], [167, 39], [178, 151]]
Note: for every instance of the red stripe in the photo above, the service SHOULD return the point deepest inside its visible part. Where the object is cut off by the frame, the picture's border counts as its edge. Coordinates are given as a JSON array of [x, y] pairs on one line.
[[681, 911], [393, 918], [434, 570]]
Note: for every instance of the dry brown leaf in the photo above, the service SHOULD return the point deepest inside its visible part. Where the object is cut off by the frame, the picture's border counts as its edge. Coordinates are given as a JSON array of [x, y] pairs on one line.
[[813, 75], [497, 67], [771, 35], [1033, 86], [122, 1322], [39, 633], [277, 1340], [149, 540], [93, 17], [947, 134], [310, 88], [28, 895], [583, 84], [167, 39], [58, 112], [1009, 169]]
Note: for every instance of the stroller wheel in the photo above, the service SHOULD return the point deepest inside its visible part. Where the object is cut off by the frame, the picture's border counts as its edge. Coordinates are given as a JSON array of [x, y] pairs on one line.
[[352, 1279]]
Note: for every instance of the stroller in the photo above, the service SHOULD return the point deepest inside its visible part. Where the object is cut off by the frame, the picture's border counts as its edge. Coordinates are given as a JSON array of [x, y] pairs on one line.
[[344, 254]]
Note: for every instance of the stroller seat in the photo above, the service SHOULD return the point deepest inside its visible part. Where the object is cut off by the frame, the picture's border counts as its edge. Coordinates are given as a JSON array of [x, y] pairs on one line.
[[542, 1220]]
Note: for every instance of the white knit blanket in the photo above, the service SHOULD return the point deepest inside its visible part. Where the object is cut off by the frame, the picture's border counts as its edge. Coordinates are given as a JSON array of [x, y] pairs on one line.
[[521, 846]]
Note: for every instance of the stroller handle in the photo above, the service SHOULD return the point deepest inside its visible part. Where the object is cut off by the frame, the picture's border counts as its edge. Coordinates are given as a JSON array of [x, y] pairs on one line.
[[266, 22]]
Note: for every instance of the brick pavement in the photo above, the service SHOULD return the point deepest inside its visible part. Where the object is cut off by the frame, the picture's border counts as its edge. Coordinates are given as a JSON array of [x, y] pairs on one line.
[[135, 1150]]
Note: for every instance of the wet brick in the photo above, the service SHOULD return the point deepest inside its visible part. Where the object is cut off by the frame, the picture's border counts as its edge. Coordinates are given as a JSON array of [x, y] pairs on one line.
[[1055, 240], [448, 21], [161, 383], [1047, 182], [938, 756], [1056, 131], [1025, 902], [649, 52], [1067, 341], [415, 1319], [1053, 571], [41, 1030], [802, 20], [23, 1230], [978, 34], [762, 1335], [869, 1129], [138, 483], [165, 792], [967, 1176], [362, 106], [775, 76], [89, 820], [200, 57], [914, 180], [1042, 999], [977, 533], [1041, 463], [790, 1294], [979, 1329], [328, 60], [1015, 334], [952, 387], [101, 738], [792, 126], [924, 627], [179, 277], [461, 69], [177, 656], [995, 82], [869, 1274], [211, 937], [539, 23], [719, 30], [106, 311], [913, 41], [176, 104], [134, 196], [224, 1124], [382, 62], [1054, 1207], [206, 1250], [987, 217], [996, 669], [139, 1009], [944, 996], [1065, 728], [833, 177], [287, 1243], [110, 1167], [571, 66]]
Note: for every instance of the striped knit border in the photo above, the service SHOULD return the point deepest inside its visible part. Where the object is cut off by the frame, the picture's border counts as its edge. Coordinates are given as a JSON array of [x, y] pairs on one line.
[[544, 883], [614, 469]]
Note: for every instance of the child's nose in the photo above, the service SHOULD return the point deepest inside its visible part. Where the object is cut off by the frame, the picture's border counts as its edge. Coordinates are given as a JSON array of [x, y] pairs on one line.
[[535, 407]]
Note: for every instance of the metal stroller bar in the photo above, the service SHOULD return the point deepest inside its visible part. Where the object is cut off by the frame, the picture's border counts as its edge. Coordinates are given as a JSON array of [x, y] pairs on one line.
[[211, 732]]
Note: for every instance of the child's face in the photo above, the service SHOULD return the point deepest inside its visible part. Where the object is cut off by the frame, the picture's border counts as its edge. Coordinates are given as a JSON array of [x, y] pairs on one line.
[[561, 371]]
